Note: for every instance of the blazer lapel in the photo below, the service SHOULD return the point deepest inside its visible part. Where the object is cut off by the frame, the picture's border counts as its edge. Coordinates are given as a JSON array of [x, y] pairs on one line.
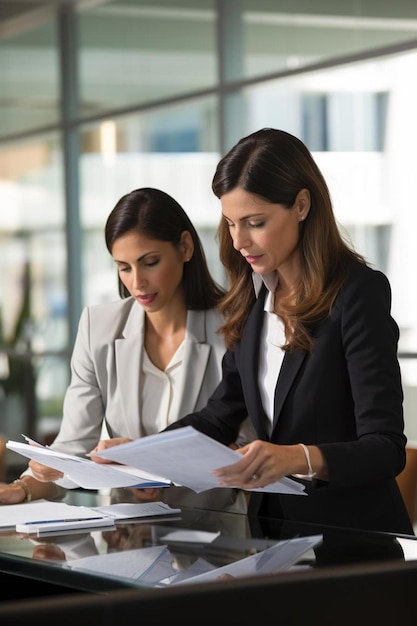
[[128, 355], [250, 369], [289, 369], [196, 356], [249, 365]]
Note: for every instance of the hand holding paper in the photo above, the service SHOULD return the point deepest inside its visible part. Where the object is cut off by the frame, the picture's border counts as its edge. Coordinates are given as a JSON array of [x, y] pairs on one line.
[[187, 457]]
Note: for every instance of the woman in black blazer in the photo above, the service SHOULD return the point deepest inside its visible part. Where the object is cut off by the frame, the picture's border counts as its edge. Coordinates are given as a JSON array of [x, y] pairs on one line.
[[312, 347]]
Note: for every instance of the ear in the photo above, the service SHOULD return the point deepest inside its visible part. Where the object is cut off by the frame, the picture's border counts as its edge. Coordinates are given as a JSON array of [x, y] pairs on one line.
[[302, 204], [186, 245]]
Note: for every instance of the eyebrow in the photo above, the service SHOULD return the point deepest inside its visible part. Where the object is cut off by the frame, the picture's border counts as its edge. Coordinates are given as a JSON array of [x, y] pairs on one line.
[[140, 258], [245, 217]]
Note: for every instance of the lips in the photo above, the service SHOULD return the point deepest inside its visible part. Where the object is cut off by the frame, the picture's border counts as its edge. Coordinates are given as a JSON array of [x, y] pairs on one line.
[[253, 259], [146, 298]]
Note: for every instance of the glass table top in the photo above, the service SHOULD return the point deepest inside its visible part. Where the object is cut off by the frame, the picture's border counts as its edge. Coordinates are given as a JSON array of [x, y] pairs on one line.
[[191, 547]]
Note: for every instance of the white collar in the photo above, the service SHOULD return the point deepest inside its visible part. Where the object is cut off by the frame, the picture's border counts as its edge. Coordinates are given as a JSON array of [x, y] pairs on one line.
[[269, 280]]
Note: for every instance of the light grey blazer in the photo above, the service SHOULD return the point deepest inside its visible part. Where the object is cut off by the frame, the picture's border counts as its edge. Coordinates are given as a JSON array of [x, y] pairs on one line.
[[106, 373]]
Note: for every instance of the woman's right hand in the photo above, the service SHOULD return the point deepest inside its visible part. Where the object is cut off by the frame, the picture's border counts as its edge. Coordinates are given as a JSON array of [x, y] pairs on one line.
[[12, 493], [104, 444]]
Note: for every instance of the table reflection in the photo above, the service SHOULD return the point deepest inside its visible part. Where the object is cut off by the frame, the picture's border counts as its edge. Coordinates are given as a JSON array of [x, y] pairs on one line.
[[202, 544]]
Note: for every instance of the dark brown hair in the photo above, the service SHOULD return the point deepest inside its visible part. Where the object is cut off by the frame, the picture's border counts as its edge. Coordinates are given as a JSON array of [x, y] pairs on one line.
[[275, 166], [157, 215]]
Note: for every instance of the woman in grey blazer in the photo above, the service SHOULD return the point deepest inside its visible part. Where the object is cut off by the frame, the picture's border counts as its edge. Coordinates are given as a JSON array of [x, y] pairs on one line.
[[140, 363], [312, 347]]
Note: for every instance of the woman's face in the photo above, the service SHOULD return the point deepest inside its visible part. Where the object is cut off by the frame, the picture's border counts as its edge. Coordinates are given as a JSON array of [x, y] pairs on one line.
[[265, 234], [152, 270]]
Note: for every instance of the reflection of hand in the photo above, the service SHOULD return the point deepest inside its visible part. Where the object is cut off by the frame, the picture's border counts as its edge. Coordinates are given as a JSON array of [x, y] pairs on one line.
[[128, 537], [43, 473], [104, 444], [48, 551], [148, 494]]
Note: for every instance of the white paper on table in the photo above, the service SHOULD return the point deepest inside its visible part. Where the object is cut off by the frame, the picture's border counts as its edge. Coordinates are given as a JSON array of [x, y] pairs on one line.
[[42, 510], [86, 473], [61, 516], [187, 457]]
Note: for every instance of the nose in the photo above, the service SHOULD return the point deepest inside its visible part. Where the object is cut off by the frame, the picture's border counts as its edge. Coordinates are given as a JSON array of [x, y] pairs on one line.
[[240, 238], [138, 280]]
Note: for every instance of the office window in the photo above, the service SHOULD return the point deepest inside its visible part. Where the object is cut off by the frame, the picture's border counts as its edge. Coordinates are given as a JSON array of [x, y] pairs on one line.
[[135, 52], [288, 35], [33, 297], [29, 79], [171, 148]]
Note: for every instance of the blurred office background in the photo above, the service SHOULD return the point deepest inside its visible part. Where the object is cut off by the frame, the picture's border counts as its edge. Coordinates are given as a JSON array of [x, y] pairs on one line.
[[99, 97]]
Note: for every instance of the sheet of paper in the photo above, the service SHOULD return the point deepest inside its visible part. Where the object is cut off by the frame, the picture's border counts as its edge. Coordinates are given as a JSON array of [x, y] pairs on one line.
[[65, 525], [187, 457], [43, 515], [41, 510], [86, 473]]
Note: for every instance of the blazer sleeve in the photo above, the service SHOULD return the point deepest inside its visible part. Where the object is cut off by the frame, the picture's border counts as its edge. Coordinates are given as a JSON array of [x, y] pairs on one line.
[[370, 339], [83, 410]]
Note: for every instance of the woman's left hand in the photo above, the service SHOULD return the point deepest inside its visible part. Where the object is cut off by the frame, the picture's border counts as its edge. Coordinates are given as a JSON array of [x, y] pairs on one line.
[[262, 463]]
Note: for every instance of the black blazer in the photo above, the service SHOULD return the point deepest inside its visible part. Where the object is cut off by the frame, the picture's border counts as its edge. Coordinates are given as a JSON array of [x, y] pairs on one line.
[[345, 397]]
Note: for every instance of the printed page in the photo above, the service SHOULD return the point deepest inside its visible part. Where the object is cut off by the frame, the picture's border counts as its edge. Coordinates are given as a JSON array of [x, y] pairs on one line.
[[187, 457]]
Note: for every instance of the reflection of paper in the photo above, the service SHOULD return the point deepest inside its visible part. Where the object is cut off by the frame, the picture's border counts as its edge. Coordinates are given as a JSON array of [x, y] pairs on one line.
[[187, 457], [141, 565], [188, 536], [132, 510], [85, 473], [200, 566], [277, 558]]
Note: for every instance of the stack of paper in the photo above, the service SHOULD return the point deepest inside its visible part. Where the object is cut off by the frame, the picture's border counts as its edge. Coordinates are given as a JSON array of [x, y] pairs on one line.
[[86, 473], [184, 456], [187, 457], [41, 516]]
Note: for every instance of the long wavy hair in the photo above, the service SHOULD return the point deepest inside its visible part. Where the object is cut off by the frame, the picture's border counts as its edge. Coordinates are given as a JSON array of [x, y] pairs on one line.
[[158, 216], [275, 166]]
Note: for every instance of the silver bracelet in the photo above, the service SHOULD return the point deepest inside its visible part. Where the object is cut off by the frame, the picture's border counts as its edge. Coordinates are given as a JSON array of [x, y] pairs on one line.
[[311, 474]]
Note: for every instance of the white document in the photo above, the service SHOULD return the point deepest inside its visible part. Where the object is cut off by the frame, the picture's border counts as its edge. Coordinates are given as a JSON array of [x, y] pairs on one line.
[[187, 457], [86, 473], [41, 510]]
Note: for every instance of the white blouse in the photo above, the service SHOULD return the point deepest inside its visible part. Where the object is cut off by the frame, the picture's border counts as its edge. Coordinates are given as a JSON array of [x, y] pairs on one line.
[[270, 357], [271, 354], [159, 395]]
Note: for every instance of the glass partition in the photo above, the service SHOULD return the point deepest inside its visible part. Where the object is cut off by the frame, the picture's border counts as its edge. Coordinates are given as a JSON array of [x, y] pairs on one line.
[[171, 148], [136, 52], [29, 79], [33, 298]]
